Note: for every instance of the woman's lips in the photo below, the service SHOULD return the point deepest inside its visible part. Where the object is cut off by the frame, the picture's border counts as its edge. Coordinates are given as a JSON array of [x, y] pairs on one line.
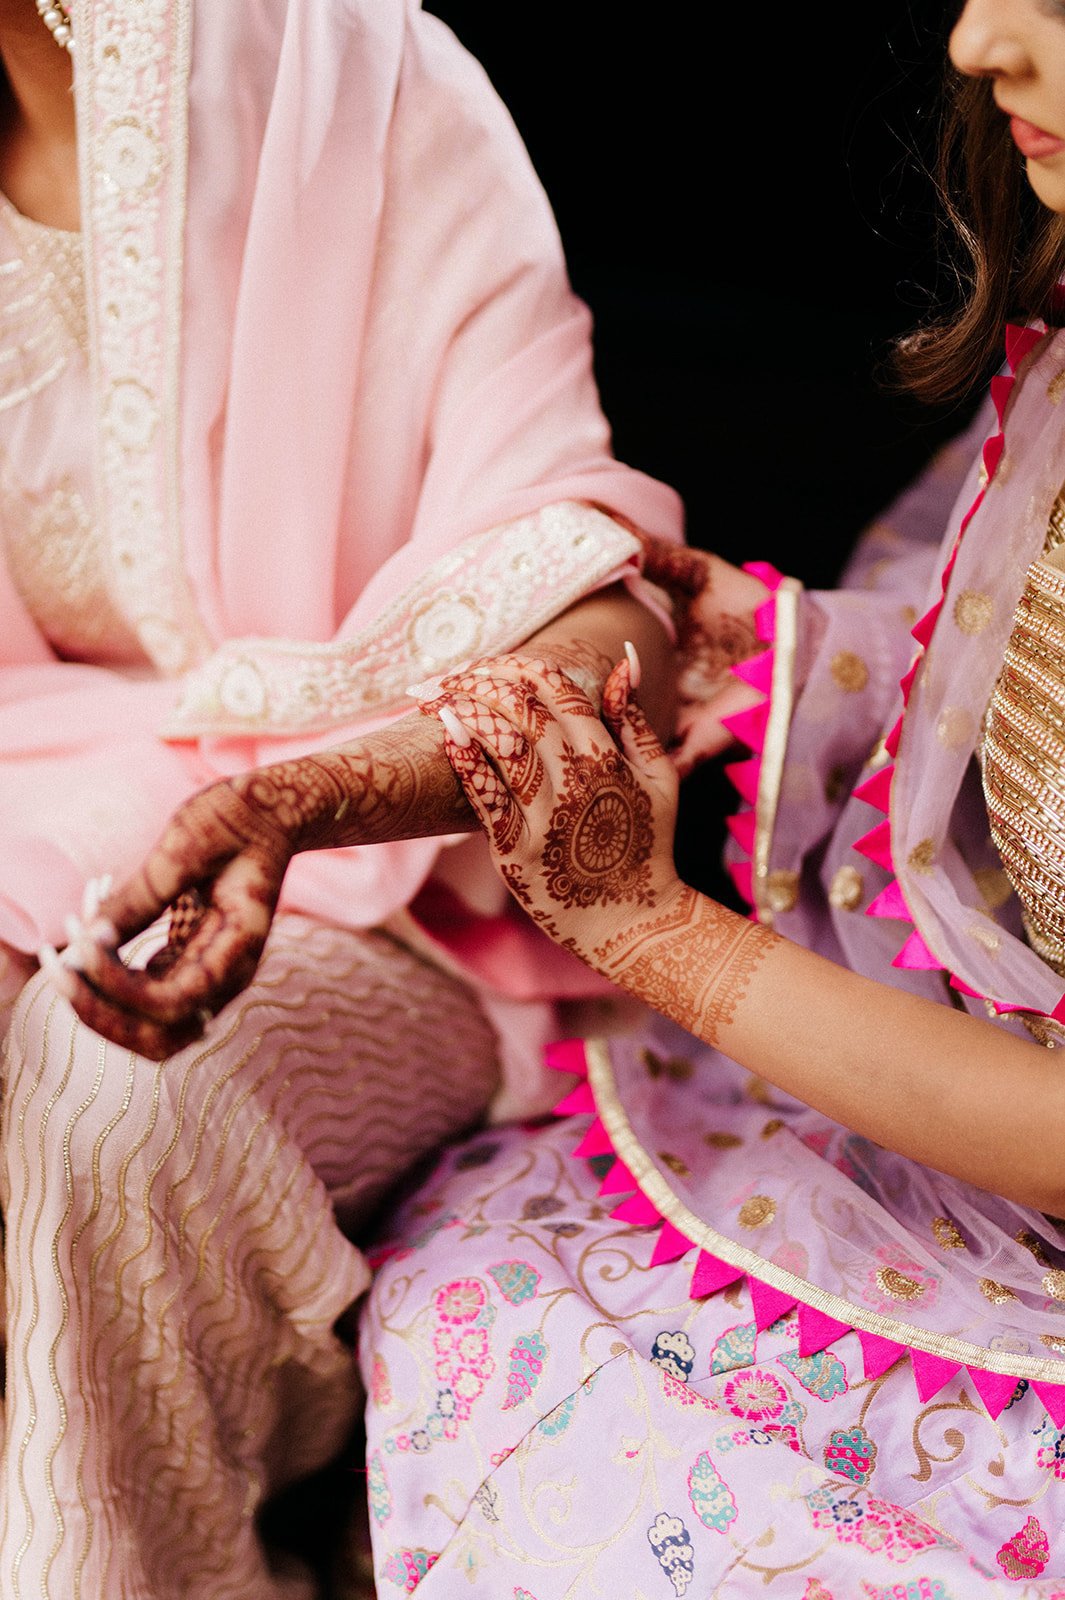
[[1032, 142]]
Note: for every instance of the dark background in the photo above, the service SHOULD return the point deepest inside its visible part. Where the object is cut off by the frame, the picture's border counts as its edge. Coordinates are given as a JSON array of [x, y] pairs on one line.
[[742, 195], [740, 198]]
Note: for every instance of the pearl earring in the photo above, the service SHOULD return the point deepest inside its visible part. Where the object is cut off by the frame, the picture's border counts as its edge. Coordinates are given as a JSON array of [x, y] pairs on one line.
[[56, 18]]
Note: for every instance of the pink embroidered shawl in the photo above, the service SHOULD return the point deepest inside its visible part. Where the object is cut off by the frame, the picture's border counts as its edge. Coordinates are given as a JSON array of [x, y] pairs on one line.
[[346, 429]]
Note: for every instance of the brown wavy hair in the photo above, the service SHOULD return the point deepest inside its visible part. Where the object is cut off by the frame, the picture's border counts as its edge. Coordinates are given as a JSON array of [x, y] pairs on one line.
[[1006, 255]]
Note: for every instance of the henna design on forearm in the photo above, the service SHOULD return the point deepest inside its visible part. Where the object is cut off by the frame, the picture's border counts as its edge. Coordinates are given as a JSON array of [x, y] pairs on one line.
[[694, 963]]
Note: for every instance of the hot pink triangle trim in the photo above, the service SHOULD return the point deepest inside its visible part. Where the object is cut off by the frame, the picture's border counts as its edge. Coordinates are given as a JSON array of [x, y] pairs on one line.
[[743, 827], [567, 1055], [906, 681], [1001, 384], [924, 627], [596, 1142], [994, 1389], [931, 1373], [710, 1275], [750, 725], [743, 775], [579, 1100], [878, 1354], [1019, 342], [876, 791], [915, 956], [757, 671], [768, 1303], [638, 1211], [890, 902], [619, 1180], [816, 1331], [891, 740], [670, 1245], [876, 845], [765, 617], [765, 573]]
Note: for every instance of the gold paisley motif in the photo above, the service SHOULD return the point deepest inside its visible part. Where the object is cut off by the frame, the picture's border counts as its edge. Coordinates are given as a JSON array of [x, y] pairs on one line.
[[756, 1212], [897, 1286]]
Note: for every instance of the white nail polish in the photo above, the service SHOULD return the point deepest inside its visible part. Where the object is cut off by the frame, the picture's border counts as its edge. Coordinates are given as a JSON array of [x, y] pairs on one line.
[[58, 976], [459, 734], [635, 671], [103, 930]]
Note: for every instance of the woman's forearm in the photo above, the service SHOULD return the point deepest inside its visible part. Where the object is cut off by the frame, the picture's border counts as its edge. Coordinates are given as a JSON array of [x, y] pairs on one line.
[[932, 1083], [397, 783]]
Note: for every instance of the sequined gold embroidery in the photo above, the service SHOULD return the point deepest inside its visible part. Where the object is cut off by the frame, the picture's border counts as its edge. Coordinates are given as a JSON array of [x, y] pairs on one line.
[[896, 1285], [1054, 1284], [773, 1126], [757, 1211], [675, 1164], [947, 1234], [1054, 1341], [997, 1293], [1044, 1030], [847, 889], [849, 671], [723, 1141]]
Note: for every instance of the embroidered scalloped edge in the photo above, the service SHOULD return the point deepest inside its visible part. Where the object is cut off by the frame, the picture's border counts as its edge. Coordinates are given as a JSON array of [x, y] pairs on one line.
[[710, 1274], [875, 845]]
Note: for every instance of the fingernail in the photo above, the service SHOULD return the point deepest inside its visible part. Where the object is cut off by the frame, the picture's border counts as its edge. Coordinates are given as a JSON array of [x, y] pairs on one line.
[[103, 930], [635, 671], [428, 689], [61, 979], [75, 928], [457, 731], [96, 892]]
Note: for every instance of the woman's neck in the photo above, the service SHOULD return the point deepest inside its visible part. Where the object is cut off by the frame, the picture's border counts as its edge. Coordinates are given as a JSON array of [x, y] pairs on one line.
[[38, 145]]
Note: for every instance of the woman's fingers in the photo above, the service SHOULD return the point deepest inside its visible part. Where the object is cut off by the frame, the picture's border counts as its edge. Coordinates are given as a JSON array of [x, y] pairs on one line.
[[701, 733], [483, 778], [631, 730]]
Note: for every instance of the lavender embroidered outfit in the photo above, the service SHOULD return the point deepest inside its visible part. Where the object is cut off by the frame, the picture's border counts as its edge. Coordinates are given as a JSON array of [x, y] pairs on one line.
[[731, 1348]]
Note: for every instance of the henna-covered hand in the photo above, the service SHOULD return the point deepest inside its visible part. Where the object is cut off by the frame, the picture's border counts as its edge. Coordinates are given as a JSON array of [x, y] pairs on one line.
[[715, 604], [218, 868], [587, 848]]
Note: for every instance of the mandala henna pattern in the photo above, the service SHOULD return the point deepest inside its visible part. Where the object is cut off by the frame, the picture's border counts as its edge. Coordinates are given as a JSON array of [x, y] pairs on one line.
[[600, 835]]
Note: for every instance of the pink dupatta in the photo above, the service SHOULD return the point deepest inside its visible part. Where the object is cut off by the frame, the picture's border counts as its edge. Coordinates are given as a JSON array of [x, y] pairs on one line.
[[347, 433]]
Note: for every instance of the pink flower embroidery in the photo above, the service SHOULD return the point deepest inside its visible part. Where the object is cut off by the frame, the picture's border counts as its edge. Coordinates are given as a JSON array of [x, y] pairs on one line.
[[461, 1301], [756, 1395]]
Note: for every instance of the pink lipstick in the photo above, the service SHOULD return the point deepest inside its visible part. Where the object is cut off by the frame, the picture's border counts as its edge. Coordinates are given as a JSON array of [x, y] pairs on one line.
[[1032, 142]]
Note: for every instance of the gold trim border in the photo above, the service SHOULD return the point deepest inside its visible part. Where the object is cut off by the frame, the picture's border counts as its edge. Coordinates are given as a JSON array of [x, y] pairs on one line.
[[774, 750], [654, 1186]]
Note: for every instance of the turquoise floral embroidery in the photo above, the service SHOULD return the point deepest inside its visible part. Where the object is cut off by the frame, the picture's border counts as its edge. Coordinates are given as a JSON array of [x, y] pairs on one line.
[[734, 1349], [407, 1568], [380, 1494], [710, 1495], [852, 1453], [875, 1525], [517, 1280], [822, 1375], [526, 1364]]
